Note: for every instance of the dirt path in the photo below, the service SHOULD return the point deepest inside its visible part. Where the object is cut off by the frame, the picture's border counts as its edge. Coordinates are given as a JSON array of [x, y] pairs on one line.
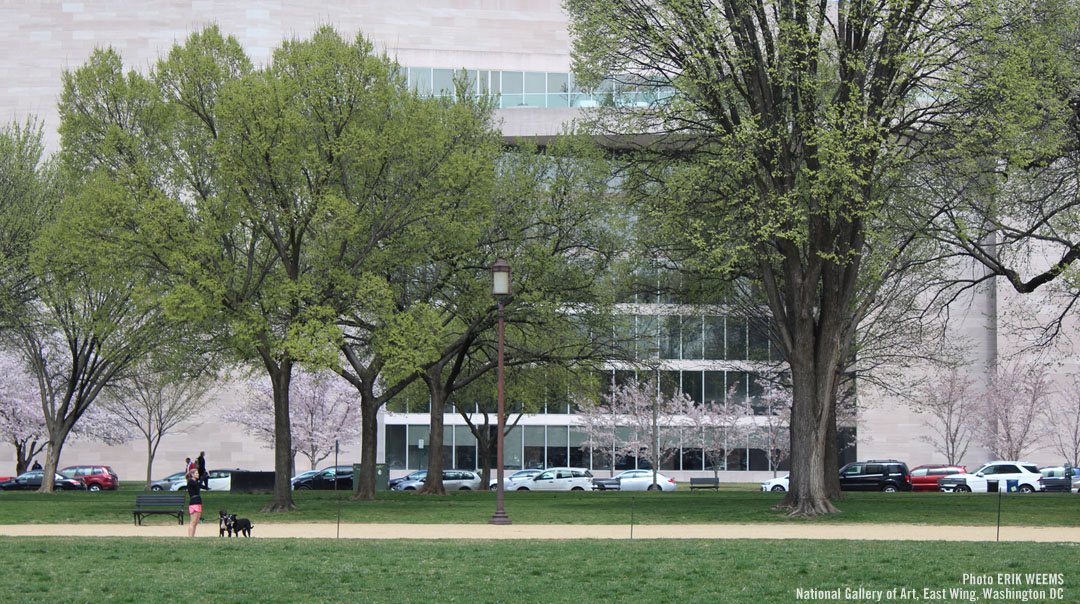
[[882, 532]]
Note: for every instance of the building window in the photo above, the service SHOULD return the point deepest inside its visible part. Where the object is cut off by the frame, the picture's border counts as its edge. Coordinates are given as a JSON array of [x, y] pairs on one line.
[[735, 339], [691, 338], [579, 452], [512, 446], [534, 447], [557, 441], [692, 385], [464, 448], [395, 447], [714, 338]]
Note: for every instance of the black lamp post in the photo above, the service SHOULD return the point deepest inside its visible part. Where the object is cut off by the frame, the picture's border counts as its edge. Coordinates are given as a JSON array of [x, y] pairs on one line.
[[500, 288]]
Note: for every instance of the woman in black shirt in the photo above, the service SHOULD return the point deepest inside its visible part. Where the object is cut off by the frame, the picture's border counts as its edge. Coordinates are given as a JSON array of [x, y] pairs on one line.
[[194, 500]]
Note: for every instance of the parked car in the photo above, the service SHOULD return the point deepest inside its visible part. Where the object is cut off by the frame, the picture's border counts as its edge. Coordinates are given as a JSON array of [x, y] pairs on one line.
[[326, 479], [29, 481], [637, 480], [1054, 479], [166, 483], [925, 477], [1023, 476], [417, 475], [511, 481], [779, 484], [95, 478], [886, 475], [219, 480], [559, 479], [605, 484], [303, 475], [453, 480]]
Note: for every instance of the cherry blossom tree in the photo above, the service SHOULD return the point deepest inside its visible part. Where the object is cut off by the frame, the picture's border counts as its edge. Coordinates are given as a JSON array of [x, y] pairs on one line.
[[1017, 398], [153, 402], [1063, 423], [21, 421], [23, 424], [953, 409], [652, 420], [715, 425], [323, 410], [772, 431]]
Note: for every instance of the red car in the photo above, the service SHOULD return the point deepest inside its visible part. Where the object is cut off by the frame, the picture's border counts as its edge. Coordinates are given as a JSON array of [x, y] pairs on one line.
[[924, 478], [95, 478]]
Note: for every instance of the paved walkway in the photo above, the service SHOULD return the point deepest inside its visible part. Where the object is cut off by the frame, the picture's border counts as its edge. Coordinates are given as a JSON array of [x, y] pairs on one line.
[[877, 532]]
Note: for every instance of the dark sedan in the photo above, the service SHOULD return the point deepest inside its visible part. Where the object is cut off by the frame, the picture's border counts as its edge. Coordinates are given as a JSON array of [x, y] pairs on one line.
[[31, 481], [326, 479]]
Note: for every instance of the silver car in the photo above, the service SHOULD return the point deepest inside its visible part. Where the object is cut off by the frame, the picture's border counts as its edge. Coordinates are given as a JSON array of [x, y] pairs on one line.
[[512, 481], [166, 483], [642, 480], [453, 480]]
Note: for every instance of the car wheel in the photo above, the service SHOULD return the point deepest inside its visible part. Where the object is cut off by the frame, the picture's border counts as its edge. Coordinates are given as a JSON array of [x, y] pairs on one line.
[[889, 488], [1026, 488], [94, 488], [577, 489], [778, 489], [464, 489], [654, 487], [962, 489], [493, 487], [156, 487], [303, 487], [409, 489], [523, 488]]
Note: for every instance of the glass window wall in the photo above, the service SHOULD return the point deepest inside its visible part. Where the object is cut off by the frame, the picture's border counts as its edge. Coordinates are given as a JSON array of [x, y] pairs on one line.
[[534, 446]]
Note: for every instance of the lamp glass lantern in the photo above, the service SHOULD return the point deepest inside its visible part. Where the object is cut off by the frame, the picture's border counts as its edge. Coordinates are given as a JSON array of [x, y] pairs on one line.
[[500, 278]]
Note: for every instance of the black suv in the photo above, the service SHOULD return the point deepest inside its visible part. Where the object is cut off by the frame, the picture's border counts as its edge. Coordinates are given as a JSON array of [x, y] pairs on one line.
[[886, 475]]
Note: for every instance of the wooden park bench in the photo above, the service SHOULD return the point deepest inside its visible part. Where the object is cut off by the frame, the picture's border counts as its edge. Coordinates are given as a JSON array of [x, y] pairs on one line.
[[172, 504], [704, 483]]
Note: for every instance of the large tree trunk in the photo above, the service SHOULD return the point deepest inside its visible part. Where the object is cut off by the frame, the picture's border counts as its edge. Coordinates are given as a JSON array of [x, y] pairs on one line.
[[433, 484], [369, 428], [832, 458], [57, 435], [151, 452], [280, 377]]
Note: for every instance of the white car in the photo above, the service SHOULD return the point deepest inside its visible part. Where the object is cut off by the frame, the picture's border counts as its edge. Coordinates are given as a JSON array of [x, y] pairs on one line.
[[1006, 475], [452, 480], [511, 481], [220, 480], [776, 484], [642, 480], [558, 479]]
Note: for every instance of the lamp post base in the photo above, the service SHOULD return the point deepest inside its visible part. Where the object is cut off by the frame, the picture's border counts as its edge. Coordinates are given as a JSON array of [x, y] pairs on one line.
[[500, 517]]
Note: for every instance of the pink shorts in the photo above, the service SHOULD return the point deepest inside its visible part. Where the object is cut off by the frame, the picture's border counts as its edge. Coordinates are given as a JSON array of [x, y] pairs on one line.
[[194, 508]]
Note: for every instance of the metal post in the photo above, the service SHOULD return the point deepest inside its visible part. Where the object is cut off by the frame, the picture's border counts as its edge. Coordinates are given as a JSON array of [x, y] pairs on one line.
[[500, 516]]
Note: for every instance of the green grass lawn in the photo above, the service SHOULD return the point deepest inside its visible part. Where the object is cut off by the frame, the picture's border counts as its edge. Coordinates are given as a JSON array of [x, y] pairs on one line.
[[294, 570], [730, 504]]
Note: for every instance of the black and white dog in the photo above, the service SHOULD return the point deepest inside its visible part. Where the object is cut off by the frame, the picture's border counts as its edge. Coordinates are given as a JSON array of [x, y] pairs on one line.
[[229, 523]]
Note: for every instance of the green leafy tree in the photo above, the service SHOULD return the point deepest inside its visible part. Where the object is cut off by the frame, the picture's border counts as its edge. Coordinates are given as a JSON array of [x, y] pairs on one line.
[[91, 320], [779, 132], [273, 203], [1004, 171]]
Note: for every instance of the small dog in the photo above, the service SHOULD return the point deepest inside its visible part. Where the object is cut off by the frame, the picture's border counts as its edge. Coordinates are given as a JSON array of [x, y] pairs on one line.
[[229, 523]]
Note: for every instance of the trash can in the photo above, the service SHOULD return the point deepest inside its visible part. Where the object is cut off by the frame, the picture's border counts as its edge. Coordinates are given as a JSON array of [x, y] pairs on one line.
[[1012, 485], [382, 477]]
